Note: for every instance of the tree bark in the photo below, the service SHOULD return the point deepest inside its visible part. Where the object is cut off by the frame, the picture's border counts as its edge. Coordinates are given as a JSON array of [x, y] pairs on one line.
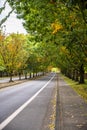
[[81, 74], [10, 74], [73, 75], [77, 75], [30, 75], [25, 75], [19, 76], [33, 75]]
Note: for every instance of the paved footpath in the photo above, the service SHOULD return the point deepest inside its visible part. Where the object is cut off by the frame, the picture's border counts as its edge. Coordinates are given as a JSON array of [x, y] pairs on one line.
[[71, 108]]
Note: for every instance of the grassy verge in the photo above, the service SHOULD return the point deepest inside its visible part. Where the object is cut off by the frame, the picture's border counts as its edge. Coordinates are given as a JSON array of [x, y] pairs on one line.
[[81, 89]]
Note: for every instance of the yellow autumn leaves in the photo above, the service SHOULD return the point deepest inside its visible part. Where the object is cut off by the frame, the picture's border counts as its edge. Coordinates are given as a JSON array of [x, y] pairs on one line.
[[56, 26], [1, 37], [13, 51]]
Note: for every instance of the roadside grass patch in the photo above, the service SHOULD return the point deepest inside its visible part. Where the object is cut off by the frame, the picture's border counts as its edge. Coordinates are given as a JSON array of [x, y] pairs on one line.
[[81, 89]]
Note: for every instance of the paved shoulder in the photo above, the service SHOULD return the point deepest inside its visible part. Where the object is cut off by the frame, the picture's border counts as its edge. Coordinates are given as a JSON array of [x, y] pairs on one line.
[[72, 108]]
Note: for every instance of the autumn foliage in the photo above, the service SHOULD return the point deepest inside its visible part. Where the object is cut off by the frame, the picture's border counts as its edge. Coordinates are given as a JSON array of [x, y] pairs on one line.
[[56, 27]]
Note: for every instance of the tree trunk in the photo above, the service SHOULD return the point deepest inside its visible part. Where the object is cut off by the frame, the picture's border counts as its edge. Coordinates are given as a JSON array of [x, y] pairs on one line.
[[30, 75], [81, 74], [19, 76], [77, 75], [25, 75], [73, 75], [10, 77]]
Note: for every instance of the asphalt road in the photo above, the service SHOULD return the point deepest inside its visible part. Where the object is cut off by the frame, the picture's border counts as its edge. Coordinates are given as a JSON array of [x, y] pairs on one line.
[[24, 106]]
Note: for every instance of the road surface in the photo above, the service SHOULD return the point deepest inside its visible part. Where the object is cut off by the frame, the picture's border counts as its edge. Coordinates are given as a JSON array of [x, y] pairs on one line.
[[24, 106]]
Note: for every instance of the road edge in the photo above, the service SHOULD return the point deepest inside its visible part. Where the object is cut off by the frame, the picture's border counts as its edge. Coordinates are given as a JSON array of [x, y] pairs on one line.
[[59, 118]]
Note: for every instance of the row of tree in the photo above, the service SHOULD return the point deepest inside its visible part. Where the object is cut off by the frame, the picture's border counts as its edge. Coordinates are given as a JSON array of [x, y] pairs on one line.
[[59, 27], [20, 53]]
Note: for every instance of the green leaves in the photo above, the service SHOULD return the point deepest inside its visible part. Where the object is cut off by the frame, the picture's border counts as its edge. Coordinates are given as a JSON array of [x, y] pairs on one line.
[[53, 25], [12, 52]]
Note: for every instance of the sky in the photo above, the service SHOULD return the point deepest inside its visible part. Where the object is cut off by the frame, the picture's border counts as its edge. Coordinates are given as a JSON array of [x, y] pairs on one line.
[[12, 24]]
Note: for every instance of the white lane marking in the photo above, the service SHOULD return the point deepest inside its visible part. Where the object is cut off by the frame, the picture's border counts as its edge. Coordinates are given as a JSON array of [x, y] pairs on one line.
[[13, 115]]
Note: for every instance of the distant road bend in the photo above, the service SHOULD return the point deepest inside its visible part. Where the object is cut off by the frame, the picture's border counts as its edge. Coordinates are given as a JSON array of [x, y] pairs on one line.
[[24, 106]]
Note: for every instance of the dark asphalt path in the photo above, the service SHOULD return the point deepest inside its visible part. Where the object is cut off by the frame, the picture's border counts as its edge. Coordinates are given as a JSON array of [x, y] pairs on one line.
[[71, 108], [32, 116]]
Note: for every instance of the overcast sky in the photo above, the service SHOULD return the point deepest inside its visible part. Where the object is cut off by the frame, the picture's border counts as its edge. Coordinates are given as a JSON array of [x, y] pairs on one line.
[[12, 24]]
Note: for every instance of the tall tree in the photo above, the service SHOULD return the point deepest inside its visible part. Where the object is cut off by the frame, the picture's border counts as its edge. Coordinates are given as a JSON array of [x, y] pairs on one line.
[[12, 52], [62, 22]]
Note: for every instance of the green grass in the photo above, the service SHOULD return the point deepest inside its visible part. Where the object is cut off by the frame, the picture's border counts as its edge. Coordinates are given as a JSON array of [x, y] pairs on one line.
[[81, 89]]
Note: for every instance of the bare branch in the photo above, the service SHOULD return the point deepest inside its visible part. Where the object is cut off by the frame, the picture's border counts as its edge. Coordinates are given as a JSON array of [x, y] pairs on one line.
[[2, 8], [4, 19]]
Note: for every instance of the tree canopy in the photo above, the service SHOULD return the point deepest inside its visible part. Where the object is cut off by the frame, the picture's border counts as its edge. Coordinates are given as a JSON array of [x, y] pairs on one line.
[[58, 30]]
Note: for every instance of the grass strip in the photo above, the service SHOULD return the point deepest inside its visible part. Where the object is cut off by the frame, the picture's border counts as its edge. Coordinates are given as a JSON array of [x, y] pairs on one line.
[[81, 89]]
